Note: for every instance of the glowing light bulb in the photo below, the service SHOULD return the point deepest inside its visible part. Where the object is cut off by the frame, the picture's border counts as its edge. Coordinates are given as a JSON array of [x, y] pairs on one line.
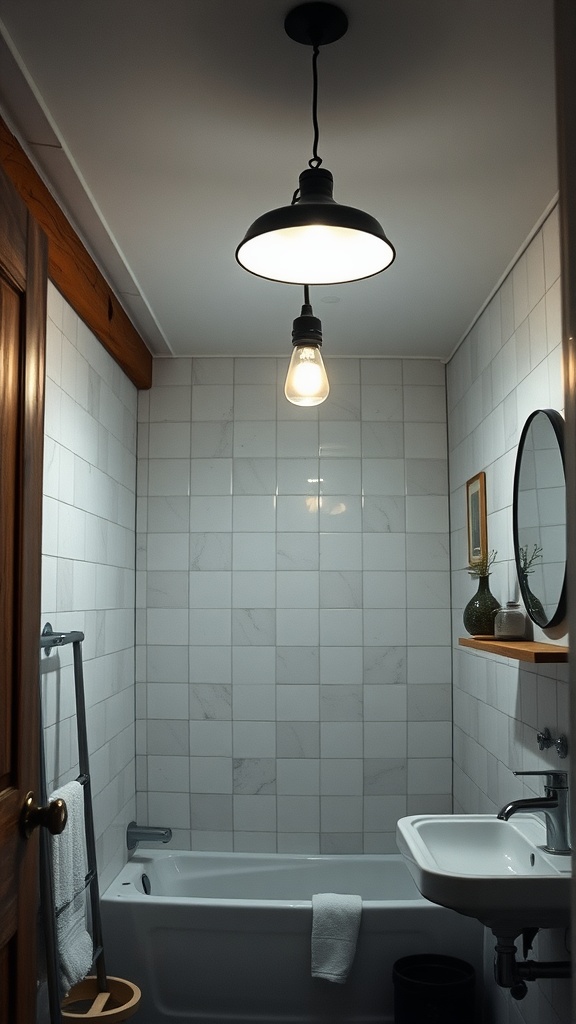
[[306, 380]]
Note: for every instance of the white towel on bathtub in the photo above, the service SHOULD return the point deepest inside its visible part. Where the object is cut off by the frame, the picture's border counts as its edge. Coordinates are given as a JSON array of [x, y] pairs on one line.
[[75, 947], [335, 924]]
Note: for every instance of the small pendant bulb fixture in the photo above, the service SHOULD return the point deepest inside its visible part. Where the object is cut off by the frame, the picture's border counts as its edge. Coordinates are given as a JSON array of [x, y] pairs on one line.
[[315, 240], [306, 380]]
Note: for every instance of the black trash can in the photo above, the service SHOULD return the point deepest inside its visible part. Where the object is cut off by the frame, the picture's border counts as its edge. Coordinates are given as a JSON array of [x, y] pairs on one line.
[[433, 989]]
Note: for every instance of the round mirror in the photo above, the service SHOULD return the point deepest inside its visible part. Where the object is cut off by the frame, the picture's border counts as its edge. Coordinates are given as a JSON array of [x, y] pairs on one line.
[[539, 517]]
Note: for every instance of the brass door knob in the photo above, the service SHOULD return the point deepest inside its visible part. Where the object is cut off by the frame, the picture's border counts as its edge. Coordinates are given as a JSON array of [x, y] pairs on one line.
[[53, 817]]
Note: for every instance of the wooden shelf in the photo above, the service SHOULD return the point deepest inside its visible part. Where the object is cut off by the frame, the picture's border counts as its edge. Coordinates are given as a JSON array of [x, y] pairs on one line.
[[522, 650]]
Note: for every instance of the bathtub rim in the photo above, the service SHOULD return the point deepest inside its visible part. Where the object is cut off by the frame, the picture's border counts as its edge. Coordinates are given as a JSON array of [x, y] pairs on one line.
[[130, 874]]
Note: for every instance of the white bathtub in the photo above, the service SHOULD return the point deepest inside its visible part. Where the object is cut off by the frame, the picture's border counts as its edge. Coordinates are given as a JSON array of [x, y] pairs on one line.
[[225, 938]]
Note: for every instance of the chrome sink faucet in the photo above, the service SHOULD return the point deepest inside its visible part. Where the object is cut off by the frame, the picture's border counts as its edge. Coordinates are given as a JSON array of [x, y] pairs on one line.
[[555, 806]]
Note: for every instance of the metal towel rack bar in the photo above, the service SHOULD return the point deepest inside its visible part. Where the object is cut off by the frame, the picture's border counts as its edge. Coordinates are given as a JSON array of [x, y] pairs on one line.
[[50, 639]]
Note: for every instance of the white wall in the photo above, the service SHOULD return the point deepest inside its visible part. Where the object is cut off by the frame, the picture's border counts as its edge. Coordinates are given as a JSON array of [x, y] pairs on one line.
[[508, 365], [88, 569], [324, 746], [293, 674]]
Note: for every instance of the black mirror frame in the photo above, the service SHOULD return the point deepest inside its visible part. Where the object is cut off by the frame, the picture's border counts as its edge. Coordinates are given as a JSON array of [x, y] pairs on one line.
[[557, 423]]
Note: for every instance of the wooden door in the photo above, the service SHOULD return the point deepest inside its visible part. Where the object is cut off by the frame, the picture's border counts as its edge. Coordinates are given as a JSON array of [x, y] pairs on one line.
[[22, 346]]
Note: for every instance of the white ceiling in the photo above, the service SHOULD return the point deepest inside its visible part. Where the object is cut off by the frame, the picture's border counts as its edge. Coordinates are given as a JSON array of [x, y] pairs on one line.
[[165, 127]]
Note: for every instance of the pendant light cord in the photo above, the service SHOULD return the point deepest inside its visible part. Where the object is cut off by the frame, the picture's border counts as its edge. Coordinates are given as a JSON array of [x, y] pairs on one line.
[[315, 160]]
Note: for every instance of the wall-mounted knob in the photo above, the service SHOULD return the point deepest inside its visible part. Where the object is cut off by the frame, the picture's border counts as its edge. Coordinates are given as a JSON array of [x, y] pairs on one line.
[[561, 745], [53, 817], [544, 739]]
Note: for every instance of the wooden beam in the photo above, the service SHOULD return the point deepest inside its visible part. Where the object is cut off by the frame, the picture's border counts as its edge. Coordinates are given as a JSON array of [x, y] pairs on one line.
[[73, 270]]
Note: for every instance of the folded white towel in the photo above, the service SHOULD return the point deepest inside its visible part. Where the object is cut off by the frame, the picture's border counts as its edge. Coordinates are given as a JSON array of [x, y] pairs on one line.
[[75, 946], [335, 925]]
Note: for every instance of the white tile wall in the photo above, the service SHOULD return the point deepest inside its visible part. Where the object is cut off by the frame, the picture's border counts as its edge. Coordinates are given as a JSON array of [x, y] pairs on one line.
[[293, 670], [88, 570], [509, 365], [287, 557]]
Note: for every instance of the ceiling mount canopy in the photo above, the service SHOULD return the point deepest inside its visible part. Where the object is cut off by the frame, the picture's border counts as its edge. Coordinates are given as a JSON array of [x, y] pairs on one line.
[[315, 240], [316, 24]]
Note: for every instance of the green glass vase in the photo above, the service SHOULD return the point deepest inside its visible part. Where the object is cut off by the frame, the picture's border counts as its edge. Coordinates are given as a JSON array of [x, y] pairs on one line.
[[478, 616]]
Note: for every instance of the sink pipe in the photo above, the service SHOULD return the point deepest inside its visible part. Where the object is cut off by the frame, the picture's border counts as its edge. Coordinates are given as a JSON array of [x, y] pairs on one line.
[[510, 974]]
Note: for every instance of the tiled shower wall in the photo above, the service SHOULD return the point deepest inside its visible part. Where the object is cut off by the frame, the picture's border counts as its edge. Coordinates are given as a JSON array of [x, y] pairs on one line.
[[88, 570], [293, 605], [509, 365]]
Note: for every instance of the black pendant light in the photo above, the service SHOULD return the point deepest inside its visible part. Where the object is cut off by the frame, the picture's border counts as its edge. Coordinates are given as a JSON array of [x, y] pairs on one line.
[[315, 240], [306, 380]]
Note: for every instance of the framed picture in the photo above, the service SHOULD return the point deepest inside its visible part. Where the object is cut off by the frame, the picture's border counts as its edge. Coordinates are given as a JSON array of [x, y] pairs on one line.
[[477, 532]]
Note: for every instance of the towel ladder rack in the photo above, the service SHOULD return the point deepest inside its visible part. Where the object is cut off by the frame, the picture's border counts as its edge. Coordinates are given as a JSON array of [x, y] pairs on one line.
[[48, 640]]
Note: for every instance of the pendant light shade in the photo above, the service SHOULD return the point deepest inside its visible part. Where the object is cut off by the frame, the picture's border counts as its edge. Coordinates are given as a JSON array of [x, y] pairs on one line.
[[315, 241], [306, 380]]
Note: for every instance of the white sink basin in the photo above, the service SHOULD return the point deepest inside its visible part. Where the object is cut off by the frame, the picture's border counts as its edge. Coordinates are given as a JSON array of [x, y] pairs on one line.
[[496, 871]]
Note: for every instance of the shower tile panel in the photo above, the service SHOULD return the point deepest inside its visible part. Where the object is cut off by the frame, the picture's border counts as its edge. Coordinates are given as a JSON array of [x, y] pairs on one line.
[[285, 652]]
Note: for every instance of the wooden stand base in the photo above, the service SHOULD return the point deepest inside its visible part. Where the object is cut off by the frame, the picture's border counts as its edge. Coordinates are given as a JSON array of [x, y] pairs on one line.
[[85, 1001]]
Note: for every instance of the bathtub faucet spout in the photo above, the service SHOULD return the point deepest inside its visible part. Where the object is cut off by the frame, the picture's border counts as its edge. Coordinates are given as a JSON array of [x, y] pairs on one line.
[[146, 834]]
